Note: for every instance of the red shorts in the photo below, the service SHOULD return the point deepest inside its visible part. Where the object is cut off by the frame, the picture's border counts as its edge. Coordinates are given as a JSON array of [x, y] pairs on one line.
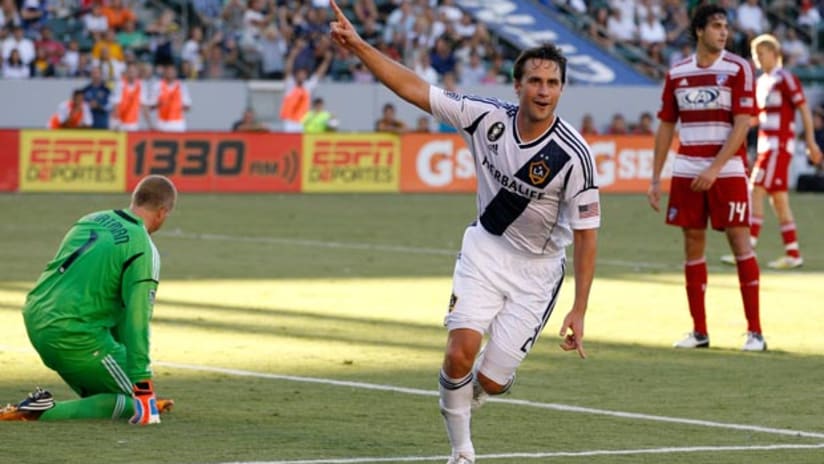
[[771, 171], [726, 203]]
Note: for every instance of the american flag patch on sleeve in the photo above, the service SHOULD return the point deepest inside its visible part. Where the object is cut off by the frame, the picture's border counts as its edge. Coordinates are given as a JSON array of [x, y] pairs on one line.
[[746, 102], [588, 210]]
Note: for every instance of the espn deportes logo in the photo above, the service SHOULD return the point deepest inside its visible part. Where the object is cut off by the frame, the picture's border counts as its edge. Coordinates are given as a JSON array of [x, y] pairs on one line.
[[346, 161], [72, 160]]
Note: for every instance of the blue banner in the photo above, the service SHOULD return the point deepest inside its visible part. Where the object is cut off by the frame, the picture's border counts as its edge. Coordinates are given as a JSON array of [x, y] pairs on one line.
[[527, 25]]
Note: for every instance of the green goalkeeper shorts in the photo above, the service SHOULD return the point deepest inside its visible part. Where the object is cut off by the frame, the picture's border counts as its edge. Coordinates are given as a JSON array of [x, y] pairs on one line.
[[99, 367]]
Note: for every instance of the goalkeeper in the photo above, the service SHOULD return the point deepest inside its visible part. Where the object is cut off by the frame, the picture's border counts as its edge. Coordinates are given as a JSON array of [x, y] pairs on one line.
[[88, 314]]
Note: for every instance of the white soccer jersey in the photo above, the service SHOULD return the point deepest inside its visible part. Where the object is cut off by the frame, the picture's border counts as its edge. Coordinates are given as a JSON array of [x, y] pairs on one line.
[[533, 193]]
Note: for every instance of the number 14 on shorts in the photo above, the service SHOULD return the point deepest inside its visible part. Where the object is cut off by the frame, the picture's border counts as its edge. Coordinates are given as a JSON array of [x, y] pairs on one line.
[[737, 208]]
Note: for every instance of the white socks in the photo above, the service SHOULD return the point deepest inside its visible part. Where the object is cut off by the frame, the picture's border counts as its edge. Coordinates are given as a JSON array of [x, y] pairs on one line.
[[455, 403]]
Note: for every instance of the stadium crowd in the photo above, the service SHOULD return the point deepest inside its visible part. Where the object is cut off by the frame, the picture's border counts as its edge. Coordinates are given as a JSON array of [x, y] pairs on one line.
[[227, 39]]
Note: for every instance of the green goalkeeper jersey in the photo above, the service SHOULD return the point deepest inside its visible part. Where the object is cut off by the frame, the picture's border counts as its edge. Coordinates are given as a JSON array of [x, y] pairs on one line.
[[102, 281]]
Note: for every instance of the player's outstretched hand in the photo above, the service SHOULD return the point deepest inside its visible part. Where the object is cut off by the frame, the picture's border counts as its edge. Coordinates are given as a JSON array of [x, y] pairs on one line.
[[342, 31], [145, 404], [572, 331]]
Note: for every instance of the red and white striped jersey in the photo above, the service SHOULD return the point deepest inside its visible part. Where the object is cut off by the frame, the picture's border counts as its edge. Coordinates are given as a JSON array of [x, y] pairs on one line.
[[706, 100], [778, 94]]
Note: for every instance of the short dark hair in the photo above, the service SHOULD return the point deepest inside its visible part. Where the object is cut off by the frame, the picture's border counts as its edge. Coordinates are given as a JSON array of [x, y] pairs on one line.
[[702, 15], [547, 52]]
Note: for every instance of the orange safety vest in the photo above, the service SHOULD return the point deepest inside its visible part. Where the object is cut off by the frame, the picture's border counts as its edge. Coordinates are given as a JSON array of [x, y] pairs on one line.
[[75, 119], [295, 105], [128, 110], [170, 102]]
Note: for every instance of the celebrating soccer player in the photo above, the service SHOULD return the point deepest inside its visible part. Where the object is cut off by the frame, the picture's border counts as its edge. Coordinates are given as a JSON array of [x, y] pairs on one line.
[[537, 193]]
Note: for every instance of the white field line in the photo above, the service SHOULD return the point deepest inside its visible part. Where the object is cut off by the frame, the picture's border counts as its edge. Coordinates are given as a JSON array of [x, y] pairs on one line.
[[532, 404], [558, 454], [376, 247]]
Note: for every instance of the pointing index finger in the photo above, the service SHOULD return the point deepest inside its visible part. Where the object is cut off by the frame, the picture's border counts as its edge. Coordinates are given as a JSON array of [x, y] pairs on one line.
[[338, 13]]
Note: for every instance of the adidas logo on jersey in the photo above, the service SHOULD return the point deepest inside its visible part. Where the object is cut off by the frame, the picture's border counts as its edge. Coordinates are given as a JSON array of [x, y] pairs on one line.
[[684, 82]]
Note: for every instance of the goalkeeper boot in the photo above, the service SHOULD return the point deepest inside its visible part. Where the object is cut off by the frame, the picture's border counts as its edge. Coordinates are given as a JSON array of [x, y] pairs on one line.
[[694, 340], [30, 408], [165, 405]]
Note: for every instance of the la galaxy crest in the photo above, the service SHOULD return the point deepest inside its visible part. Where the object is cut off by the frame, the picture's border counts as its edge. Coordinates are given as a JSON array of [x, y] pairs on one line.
[[538, 172]]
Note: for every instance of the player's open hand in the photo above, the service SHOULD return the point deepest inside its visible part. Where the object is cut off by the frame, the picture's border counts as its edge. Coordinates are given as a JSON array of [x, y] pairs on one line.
[[814, 154], [654, 195], [572, 331], [342, 31], [704, 180]]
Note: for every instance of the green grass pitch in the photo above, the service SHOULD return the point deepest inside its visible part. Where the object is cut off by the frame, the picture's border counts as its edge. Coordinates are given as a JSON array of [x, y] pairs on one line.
[[308, 328]]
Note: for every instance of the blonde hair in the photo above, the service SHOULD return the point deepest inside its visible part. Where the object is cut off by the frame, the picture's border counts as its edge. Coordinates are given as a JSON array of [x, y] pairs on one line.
[[771, 42], [155, 192]]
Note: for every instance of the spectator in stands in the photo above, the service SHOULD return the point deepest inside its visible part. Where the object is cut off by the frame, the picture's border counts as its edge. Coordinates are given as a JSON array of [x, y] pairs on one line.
[[249, 123], [84, 66], [108, 40], [646, 7], [52, 49], [162, 32], [299, 87], [389, 122], [401, 20], [192, 52], [23, 45], [117, 14], [465, 28], [644, 126], [677, 24], [795, 51], [33, 13], [71, 58], [14, 68], [494, 73], [365, 11], [318, 119], [254, 20], [809, 15], [72, 114], [681, 53], [9, 16], [442, 58], [449, 84], [96, 94], [41, 67], [473, 72], [132, 38], [360, 74], [618, 125], [422, 125], [818, 125], [273, 48], [171, 98], [424, 69], [751, 21], [208, 11], [588, 125], [371, 32], [95, 22], [598, 28], [232, 15], [112, 68], [621, 29], [129, 100], [651, 31]]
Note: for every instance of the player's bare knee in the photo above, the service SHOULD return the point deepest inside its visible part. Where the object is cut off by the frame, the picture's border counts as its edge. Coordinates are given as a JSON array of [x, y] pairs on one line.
[[489, 386], [458, 362]]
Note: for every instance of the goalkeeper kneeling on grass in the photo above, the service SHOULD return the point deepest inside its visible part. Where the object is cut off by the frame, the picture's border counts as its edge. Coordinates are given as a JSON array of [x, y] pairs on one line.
[[88, 315]]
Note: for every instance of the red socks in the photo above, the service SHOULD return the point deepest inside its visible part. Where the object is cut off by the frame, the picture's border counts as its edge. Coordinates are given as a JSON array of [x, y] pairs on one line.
[[748, 275], [696, 276]]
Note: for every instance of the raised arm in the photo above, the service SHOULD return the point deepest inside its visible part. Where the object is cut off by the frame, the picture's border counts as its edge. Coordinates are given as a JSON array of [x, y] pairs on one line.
[[398, 78]]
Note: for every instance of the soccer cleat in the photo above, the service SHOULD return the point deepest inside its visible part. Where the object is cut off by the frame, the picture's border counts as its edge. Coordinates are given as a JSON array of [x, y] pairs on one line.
[[460, 459], [694, 340], [728, 259], [755, 342], [38, 400], [786, 262], [30, 408], [165, 405]]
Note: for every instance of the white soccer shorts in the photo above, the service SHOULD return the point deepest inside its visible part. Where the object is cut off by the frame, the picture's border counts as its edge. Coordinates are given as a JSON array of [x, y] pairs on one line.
[[506, 293]]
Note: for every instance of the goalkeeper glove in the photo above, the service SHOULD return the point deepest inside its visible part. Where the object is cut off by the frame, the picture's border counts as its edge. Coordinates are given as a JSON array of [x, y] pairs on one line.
[[145, 404]]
